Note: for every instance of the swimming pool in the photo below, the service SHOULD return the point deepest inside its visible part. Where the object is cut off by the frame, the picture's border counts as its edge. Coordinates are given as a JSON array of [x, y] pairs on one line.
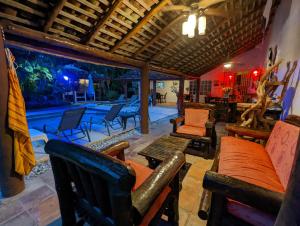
[[51, 117]]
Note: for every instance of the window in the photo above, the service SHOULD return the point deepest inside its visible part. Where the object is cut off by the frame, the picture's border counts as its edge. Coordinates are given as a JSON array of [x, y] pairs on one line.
[[160, 85], [205, 87]]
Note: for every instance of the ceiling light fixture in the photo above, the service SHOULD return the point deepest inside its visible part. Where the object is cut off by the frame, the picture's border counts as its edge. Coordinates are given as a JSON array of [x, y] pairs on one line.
[[227, 65], [202, 25], [189, 26]]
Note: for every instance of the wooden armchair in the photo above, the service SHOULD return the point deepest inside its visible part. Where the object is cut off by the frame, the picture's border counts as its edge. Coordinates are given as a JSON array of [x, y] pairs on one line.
[[101, 188], [197, 124], [248, 182]]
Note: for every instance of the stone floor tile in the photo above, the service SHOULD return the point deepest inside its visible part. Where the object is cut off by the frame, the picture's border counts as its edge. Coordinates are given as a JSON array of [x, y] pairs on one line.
[[10, 210], [192, 183], [191, 158], [187, 197], [23, 219], [35, 197], [194, 220], [46, 210], [48, 178], [197, 173], [183, 217]]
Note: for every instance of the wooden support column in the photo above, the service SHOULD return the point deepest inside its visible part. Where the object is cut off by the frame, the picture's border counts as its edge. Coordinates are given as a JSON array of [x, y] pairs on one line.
[[197, 90], [144, 99], [154, 93], [180, 97], [10, 182]]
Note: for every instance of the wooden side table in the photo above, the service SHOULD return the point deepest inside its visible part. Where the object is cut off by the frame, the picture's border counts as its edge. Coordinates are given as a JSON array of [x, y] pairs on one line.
[[161, 148]]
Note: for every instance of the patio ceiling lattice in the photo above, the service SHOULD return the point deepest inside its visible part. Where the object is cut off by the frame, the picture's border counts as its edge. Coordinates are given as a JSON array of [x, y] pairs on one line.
[[139, 31]]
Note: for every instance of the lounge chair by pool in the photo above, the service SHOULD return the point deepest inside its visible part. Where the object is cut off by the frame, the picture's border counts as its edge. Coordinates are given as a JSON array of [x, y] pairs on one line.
[[111, 118], [134, 99], [71, 120], [121, 99]]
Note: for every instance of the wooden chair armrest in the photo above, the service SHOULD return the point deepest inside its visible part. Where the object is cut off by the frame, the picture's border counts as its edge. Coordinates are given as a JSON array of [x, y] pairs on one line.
[[144, 196], [176, 121], [116, 150], [242, 131], [205, 201], [210, 124], [241, 191]]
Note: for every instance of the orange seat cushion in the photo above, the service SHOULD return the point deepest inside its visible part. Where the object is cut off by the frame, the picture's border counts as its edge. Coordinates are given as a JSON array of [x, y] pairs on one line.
[[141, 172], [195, 117], [250, 162], [198, 131], [281, 147]]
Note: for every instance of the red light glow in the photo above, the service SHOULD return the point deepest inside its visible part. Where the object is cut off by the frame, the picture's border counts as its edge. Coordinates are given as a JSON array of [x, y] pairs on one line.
[[255, 73]]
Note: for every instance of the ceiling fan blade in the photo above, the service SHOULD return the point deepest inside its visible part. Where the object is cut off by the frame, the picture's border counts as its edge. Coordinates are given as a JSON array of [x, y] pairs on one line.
[[207, 3], [176, 8], [216, 12]]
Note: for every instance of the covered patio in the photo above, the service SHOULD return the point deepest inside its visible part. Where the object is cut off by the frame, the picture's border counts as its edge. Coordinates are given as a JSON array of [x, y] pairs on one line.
[[209, 136]]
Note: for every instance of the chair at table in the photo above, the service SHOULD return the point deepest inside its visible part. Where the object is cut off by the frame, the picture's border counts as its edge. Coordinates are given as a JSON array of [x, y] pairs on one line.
[[158, 97], [197, 124], [163, 98], [249, 182], [101, 188]]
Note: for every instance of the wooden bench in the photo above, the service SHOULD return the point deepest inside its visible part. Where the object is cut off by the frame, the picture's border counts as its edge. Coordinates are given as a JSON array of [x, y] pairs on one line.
[[248, 181]]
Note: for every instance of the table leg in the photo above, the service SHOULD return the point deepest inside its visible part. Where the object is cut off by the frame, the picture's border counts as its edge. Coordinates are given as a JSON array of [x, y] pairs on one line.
[[152, 163], [124, 122]]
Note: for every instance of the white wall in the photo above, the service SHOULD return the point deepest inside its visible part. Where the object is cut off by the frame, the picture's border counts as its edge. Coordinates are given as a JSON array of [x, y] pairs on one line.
[[285, 33], [171, 97]]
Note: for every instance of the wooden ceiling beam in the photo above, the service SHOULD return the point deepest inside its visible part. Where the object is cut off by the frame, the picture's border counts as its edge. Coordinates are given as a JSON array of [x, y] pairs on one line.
[[255, 39], [155, 9], [218, 61], [26, 38], [51, 40], [94, 32], [54, 14], [161, 33], [203, 48]]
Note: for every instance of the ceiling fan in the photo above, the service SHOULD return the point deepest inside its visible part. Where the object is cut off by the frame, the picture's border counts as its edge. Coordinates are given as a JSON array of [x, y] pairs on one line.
[[200, 9]]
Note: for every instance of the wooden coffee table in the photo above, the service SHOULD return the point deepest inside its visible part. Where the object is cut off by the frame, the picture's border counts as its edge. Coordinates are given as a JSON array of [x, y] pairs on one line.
[[163, 147]]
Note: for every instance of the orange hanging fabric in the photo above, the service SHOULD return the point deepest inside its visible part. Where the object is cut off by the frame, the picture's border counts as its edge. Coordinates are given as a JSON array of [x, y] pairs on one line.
[[17, 122]]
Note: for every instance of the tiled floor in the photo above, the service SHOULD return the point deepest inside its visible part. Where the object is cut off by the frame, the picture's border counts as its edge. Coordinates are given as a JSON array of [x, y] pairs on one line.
[[38, 204]]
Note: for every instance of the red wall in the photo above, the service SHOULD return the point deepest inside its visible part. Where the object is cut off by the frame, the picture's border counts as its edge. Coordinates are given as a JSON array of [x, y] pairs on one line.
[[248, 61]]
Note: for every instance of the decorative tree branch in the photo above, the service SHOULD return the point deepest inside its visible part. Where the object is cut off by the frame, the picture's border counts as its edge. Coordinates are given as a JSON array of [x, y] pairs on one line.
[[254, 116]]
